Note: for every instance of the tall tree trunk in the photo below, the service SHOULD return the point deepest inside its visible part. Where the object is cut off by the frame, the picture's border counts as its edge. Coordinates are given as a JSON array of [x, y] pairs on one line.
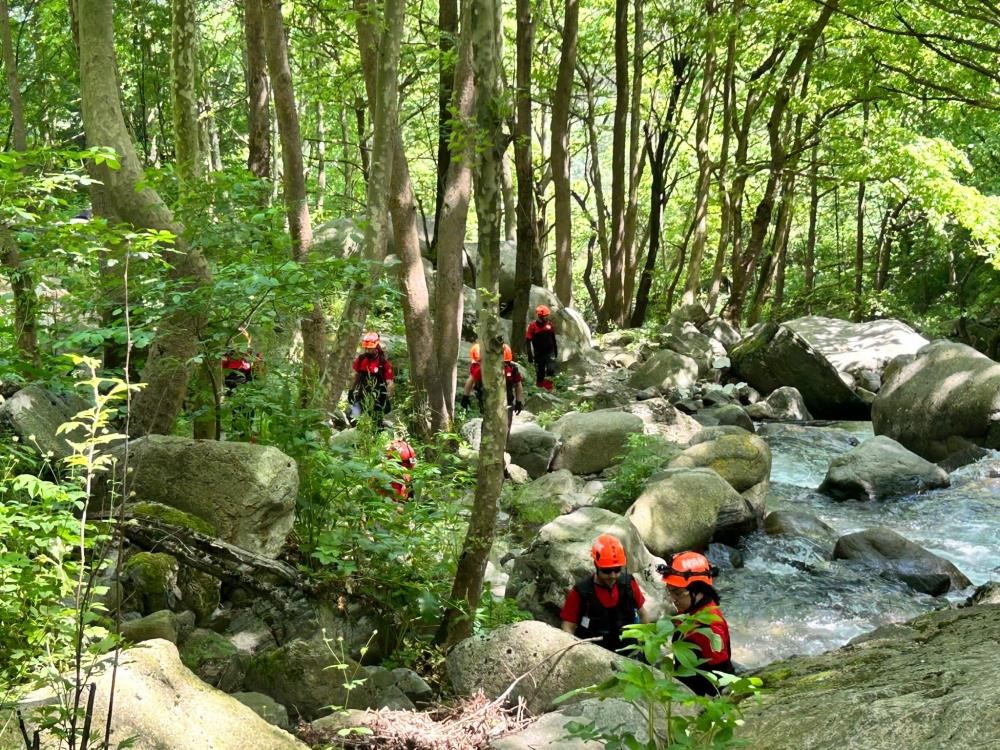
[[742, 271], [320, 159], [704, 185], [21, 283], [810, 259], [889, 228], [636, 163], [467, 589], [166, 373], [561, 99], [258, 91], [450, 297], [183, 88], [509, 203], [313, 325], [447, 30], [18, 128], [597, 183], [857, 311], [725, 186], [656, 166], [613, 311], [526, 237]]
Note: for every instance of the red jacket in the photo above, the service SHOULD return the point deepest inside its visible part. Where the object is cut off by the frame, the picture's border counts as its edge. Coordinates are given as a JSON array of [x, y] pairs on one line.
[[721, 628]]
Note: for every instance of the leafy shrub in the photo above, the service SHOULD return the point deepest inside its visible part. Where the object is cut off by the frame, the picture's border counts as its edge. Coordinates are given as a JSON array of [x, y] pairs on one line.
[[644, 454], [656, 693]]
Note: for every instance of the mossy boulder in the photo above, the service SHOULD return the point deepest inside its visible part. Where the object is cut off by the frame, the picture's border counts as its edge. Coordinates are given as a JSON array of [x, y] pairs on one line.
[[200, 592], [743, 460], [592, 441], [930, 683], [214, 659], [172, 516], [150, 582], [35, 414], [159, 625]]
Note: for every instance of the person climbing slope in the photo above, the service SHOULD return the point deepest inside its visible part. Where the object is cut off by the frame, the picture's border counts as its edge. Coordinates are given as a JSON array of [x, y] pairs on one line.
[[689, 580], [541, 346], [604, 602], [512, 377], [402, 453], [371, 393]]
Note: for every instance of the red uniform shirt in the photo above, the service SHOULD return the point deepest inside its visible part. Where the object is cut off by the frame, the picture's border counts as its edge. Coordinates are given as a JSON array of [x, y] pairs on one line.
[[606, 596], [374, 366], [720, 627]]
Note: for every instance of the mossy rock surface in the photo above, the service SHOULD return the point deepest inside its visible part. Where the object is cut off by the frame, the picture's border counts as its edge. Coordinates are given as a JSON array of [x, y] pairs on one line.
[[150, 580], [930, 683], [173, 516]]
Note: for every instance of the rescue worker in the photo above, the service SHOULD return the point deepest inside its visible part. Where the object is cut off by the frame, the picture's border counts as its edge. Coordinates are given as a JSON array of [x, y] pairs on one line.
[[371, 393], [239, 367], [607, 600], [688, 576], [512, 377], [542, 348], [401, 452]]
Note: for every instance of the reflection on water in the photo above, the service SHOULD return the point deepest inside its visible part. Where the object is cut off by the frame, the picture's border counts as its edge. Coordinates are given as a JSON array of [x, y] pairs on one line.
[[789, 600]]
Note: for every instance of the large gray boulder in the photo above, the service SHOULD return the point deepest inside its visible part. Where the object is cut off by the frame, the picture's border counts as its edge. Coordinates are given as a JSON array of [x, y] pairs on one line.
[[491, 662], [880, 468], [776, 356], [684, 338], [589, 442], [548, 732], [559, 556], [304, 676], [549, 496], [927, 684], [246, 491], [34, 414], [944, 400], [531, 446], [570, 327], [685, 508], [161, 705], [785, 403], [665, 370], [888, 553], [857, 347], [664, 419], [743, 460], [804, 525]]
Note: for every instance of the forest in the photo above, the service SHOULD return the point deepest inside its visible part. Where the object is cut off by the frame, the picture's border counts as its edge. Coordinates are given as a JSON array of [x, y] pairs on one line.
[[185, 182]]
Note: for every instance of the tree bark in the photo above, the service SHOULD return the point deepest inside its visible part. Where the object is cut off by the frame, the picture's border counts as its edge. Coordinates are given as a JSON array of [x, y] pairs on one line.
[[810, 259], [725, 187], [613, 310], [183, 88], [636, 163], [449, 292], [19, 131], [526, 237], [692, 282], [742, 271], [561, 99], [258, 91], [456, 623], [167, 369], [21, 283], [313, 325], [381, 70], [859, 236], [447, 30]]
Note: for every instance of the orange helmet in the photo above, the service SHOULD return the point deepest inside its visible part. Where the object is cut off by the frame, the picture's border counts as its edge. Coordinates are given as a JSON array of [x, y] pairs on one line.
[[508, 355], [370, 340], [474, 352], [607, 552], [401, 451], [685, 568], [542, 310]]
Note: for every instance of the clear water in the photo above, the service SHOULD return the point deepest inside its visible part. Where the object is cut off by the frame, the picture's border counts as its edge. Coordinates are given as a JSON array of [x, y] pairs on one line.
[[788, 600]]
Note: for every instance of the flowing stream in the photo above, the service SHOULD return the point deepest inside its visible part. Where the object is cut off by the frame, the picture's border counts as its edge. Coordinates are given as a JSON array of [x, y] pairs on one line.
[[788, 600]]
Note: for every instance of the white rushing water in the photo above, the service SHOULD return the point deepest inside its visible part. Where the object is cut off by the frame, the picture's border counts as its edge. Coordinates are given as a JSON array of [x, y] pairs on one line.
[[788, 600]]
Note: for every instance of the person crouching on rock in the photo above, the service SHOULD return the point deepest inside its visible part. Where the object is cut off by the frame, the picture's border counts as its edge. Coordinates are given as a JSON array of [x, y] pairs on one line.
[[601, 604], [512, 378], [689, 581]]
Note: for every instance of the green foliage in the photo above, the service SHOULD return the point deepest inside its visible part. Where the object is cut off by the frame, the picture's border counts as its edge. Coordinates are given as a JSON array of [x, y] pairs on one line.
[[674, 717], [644, 454]]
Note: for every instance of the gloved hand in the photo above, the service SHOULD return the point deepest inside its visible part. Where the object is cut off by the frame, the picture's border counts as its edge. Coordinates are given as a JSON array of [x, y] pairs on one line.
[[464, 401], [388, 405], [531, 357], [518, 406]]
